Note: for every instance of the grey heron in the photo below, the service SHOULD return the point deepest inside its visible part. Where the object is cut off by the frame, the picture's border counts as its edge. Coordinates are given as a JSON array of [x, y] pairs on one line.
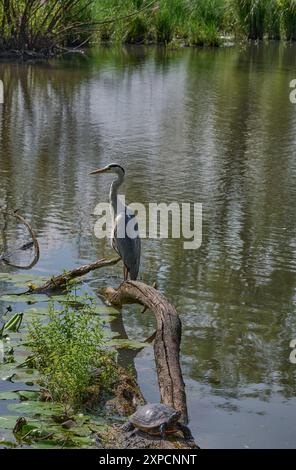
[[126, 242]]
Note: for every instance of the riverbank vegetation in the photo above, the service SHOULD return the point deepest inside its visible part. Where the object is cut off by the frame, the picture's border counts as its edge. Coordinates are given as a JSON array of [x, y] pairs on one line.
[[63, 356], [43, 26], [198, 22], [70, 352], [47, 27]]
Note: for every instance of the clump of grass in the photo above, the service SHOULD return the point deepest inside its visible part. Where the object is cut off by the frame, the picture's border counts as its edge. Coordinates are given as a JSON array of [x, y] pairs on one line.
[[203, 35], [288, 10], [164, 26], [42, 25], [68, 349], [164, 22], [251, 16], [48, 26], [273, 20], [136, 31]]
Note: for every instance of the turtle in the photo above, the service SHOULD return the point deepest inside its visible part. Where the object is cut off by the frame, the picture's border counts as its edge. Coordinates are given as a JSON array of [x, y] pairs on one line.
[[156, 419]]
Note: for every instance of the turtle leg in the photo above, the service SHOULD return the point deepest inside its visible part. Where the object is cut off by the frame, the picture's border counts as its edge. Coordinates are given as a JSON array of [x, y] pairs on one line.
[[128, 427], [185, 430], [162, 430]]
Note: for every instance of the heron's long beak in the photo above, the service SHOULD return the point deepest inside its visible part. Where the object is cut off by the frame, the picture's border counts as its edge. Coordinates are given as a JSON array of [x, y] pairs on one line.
[[100, 170]]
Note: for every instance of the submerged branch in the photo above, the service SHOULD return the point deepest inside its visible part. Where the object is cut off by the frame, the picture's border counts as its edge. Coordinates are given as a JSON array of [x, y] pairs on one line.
[[58, 282], [5, 256]]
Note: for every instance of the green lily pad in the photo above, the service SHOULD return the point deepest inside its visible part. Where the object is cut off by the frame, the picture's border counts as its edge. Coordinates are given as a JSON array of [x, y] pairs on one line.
[[36, 408], [4, 444], [22, 277], [15, 374], [7, 422], [8, 396], [28, 394], [83, 442], [27, 376], [7, 371], [103, 310], [34, 312], [47, 444], [62, 298], [20, 394], [24, 298], [127, 344]]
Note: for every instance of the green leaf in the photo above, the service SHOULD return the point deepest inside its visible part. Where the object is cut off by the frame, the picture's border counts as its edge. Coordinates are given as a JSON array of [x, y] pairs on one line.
[[5, 444], [47, 444], [127, 344], [28, 394], [104, 310], [27, 376], [13, 324], [22, 278], [24, 298], [8, 396], [36, 408], [84, 442], [7, 422], [35, 311]]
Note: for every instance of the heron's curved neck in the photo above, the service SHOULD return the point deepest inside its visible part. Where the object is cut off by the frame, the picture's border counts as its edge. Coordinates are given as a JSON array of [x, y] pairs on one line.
[[114, 193]]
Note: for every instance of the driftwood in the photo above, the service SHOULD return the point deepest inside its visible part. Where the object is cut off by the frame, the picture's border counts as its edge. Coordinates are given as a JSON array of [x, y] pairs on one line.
[[58, 282], [167, 339]]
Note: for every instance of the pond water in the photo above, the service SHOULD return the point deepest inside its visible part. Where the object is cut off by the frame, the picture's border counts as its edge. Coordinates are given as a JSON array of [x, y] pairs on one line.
[[209, 126]]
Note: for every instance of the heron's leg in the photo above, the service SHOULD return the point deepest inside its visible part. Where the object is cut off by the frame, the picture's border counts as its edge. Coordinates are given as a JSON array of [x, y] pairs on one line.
[[163, 429], [125, 273], [185, 430]]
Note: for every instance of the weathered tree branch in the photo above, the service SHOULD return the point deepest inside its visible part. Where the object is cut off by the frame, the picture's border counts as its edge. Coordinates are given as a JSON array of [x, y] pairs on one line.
[[58, 282], [167, 338]]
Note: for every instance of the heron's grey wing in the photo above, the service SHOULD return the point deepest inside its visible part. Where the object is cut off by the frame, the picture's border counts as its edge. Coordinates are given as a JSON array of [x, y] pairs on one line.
[[129, 249]]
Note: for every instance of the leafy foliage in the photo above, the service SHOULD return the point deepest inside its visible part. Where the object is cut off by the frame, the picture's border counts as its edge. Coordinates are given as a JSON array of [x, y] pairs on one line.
[[288, 10], [42, 25], [71, 353]]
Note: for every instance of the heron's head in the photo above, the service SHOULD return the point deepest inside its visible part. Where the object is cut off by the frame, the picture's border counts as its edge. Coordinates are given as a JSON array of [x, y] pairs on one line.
[[113, 168]]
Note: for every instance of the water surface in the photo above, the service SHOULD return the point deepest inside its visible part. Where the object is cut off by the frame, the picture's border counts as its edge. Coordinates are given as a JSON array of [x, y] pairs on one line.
[[208, 126]]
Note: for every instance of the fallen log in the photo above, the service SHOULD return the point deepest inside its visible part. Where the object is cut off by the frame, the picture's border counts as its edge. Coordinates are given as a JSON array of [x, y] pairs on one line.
[[58, 282], [167, 338]]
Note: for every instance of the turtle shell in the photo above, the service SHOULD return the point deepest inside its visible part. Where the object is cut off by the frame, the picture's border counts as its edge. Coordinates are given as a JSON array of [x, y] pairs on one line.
[[154, 415]]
